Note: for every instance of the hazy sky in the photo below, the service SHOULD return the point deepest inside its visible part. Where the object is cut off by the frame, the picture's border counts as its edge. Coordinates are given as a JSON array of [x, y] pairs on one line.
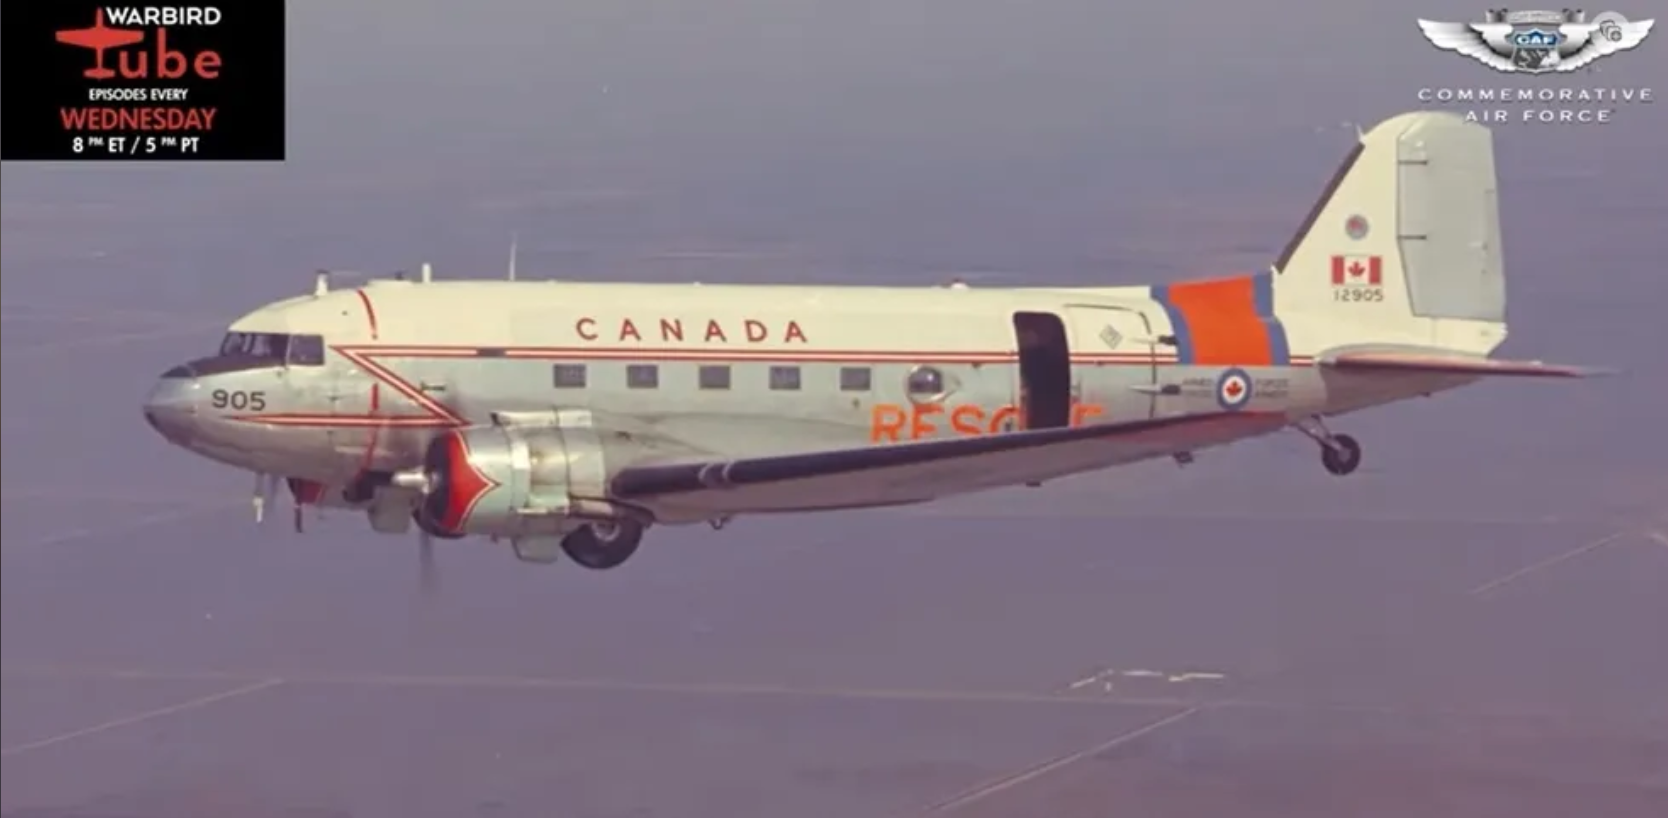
[[879, 140], [837, 141], [874, 136]]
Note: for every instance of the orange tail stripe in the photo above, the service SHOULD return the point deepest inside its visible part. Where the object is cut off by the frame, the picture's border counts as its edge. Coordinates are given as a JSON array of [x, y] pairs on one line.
[[1223, 321]]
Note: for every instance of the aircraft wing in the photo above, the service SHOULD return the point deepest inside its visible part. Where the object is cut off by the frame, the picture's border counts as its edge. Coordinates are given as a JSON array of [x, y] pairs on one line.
[[895, 474], [1439, 362]]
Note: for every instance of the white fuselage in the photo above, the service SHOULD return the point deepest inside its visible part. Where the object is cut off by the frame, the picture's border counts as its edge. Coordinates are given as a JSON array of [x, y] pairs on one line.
[[737, 371]]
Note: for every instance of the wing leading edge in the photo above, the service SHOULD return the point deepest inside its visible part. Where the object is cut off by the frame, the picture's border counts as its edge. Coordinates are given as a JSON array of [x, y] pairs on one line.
[[894, 474]]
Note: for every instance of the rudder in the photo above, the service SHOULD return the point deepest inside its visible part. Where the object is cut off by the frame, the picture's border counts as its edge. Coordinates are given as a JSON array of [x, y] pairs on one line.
[[1405, 240]]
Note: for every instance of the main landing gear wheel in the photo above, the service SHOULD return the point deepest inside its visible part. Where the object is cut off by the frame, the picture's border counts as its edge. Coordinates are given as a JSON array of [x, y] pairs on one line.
[[1340, 454], [1343, 456], [601, 546]]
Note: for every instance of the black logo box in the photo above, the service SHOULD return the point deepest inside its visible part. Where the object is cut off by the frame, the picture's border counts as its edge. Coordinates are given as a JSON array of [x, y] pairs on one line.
[[39, 77]]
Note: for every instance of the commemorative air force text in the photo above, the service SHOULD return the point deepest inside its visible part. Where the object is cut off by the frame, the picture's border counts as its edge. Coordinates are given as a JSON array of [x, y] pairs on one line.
[[1569, 113]]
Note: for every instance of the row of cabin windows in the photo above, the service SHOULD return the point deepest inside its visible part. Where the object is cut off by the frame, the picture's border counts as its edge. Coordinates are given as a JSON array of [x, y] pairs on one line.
[[711, 376]]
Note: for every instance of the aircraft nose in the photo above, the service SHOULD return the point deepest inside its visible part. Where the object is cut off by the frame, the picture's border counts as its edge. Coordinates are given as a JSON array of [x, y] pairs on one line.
[[171, 408]]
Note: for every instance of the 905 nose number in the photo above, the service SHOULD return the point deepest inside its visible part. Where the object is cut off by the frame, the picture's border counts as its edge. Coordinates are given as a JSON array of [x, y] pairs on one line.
[[238, 400]]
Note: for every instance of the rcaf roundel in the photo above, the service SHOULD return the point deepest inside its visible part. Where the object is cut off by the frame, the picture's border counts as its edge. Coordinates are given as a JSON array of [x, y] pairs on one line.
[[1233, 389]]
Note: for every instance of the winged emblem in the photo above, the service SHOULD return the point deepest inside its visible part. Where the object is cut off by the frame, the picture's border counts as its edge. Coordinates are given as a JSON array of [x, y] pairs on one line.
[[1538, 42]]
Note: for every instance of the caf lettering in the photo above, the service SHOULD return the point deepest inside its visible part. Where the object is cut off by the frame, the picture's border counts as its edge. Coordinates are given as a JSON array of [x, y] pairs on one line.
[[238, 400]]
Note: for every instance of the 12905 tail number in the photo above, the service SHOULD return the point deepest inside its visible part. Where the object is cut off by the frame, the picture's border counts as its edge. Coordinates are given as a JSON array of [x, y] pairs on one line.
[[1358, 294], [238, 400]]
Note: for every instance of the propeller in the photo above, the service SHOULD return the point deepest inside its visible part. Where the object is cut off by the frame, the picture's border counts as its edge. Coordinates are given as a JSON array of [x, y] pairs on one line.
[[430, 485], [427, 579], [266, 491], [423, 482]]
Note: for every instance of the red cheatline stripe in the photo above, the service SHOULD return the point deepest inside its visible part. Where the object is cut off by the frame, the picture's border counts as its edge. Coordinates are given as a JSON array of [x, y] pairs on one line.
[[370, 313], [673, 354]]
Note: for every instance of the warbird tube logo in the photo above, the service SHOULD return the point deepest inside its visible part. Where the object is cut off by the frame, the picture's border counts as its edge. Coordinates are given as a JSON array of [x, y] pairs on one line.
[[1538, 42], [90, 82]]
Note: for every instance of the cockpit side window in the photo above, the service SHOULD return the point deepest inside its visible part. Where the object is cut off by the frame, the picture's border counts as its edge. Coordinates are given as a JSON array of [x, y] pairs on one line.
[[267, 345], [278, 348], [306, 350], [234, 343]]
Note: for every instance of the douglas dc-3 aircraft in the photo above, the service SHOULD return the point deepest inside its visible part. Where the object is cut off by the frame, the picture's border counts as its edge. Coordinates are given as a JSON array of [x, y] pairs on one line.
[[569, 417]]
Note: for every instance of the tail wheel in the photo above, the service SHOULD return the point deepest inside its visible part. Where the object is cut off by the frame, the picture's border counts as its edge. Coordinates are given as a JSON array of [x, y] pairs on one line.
[[601, 546]]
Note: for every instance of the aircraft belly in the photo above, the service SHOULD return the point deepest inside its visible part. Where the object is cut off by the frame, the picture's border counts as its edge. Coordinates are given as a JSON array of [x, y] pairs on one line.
[[1114, 392], [1183, 390], [758, 435]]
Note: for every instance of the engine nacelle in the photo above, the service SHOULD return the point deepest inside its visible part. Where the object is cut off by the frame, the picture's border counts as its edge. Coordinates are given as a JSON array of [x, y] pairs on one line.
[[514, 481]]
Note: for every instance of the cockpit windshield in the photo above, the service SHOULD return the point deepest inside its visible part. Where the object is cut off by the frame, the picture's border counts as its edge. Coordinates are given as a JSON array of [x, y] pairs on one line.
[[295, 350]]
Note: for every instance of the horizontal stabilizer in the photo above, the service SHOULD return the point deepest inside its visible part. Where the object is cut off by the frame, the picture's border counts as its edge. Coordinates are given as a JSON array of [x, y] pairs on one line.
[[1448, 363]]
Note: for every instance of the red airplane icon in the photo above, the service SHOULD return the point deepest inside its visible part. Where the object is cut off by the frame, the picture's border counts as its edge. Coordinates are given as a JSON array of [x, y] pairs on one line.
[[99, 38]]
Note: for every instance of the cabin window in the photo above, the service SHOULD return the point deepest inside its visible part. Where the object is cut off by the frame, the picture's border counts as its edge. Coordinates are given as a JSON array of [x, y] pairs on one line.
[[855, 379], [306, 350], [568, 376], [925, 382], [784, 378], [642, 376], [714, 377]]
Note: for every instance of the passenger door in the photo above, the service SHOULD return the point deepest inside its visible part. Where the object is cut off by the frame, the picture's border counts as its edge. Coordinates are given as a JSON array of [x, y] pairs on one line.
[[1114, 361], [1047, 389]]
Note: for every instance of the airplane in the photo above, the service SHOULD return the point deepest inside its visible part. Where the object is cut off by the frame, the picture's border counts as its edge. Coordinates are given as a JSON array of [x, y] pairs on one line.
[[570, 417], [99, 38]]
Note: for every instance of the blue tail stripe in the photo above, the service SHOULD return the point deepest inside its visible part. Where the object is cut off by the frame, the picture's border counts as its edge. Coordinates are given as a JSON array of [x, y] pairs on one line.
[[1262, 288], [1178, 324], [1279, 349], [1262, 294]]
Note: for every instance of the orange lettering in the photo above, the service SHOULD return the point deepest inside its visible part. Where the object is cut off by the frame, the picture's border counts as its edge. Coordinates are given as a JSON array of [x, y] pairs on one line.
[[671, 330], [1000, 419], [965, 420], [794, 332], [586, 328], [629, 330], [756, 331], [1082, 412], [919, 426], [886, 422], [715, 331]]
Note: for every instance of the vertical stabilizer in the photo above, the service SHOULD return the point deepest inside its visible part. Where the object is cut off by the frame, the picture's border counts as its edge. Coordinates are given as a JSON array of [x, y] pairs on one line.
[[1404, 244]]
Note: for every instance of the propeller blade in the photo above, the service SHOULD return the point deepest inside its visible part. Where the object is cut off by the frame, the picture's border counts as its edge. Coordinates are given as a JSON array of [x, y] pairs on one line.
[[258, 499], [266, 491], [427, 577]]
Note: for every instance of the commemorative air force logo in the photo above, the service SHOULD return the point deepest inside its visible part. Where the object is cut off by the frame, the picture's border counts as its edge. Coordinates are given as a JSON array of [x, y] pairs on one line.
[[1538, 42]]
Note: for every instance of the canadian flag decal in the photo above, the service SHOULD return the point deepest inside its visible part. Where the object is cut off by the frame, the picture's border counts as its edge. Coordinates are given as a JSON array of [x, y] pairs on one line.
[[1357, 271]]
